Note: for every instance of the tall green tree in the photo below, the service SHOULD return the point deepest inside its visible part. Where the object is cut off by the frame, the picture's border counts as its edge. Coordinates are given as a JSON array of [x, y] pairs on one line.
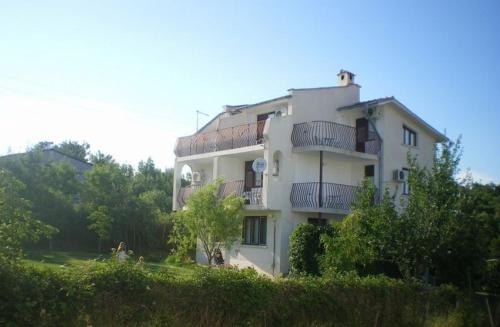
[[17, 225], [106, 198], [209, 219], [365, 236]]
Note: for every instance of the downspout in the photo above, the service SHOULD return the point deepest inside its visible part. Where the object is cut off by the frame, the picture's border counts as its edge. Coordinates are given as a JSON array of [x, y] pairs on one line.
[[380, 152], [274, 245], [320, 193]]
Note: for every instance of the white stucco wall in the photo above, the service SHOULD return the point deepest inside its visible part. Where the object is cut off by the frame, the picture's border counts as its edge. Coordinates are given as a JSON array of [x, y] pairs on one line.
[[305, 105]]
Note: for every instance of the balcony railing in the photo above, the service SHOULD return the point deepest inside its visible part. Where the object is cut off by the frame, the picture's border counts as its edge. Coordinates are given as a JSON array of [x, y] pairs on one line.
[[185, 192], [224, 139], [335, 135], [252, 197], [332, 196]]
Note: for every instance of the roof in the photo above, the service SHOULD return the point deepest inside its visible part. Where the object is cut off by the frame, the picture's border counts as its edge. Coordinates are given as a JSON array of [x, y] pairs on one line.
[[46, 150], [237, 108], [323, 87], [381, 101], [230, 108]]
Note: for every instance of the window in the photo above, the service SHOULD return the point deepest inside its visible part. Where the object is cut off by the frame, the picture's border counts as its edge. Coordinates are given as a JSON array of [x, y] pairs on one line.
[[370, 173], [409, 136], [254, 230], [406, 186]]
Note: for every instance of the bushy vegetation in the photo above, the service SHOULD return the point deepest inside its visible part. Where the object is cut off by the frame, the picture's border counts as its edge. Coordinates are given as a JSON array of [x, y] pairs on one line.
[[445, 232], [117, 294], [305, 248], [109, 204]]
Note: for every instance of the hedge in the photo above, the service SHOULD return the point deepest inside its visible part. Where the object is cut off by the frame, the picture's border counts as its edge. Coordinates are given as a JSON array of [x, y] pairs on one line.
[[114, 294]]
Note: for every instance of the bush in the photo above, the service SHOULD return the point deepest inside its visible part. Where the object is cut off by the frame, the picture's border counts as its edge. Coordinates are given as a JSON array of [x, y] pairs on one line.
[[114, 294], [306, 248]]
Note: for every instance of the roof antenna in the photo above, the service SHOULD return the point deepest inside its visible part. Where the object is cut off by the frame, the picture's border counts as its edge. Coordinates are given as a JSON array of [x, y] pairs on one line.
[[197, 115]]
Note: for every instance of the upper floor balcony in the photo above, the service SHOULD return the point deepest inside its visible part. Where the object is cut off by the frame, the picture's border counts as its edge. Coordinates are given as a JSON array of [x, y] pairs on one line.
[[252, 196], [322, 197], [224, 139], [325, 135]]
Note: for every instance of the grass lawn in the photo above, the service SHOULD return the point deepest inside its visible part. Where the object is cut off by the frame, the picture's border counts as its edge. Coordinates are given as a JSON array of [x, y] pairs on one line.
[[72, 259]]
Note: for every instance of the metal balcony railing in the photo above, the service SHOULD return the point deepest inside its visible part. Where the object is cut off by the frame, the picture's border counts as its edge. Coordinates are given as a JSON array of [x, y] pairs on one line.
[[335, 135], [224, 139], [252, 197], [332, 196]]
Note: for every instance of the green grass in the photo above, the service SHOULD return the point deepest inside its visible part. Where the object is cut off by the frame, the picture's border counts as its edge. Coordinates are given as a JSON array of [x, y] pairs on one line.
[[74, 259]]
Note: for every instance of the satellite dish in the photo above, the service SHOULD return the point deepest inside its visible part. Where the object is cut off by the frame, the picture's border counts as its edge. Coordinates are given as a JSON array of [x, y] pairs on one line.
[[259, 165]]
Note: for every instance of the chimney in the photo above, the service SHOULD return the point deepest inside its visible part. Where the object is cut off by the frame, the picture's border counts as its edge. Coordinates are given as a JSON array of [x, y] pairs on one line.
[[345, 78]]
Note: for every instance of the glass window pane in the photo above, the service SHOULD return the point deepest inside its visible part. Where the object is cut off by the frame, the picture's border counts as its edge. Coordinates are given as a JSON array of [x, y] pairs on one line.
[[263, 231], [255, 226]]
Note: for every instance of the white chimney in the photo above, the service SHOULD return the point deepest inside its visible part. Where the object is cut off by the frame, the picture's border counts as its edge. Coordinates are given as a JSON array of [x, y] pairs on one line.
[[345, 78]]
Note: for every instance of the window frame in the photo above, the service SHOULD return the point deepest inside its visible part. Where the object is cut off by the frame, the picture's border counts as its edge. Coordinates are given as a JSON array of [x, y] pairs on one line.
[[252, 224], [409, 136]]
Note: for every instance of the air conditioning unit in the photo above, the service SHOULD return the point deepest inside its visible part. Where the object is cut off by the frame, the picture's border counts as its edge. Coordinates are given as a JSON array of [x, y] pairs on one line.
[[196, 178], [399, 175]]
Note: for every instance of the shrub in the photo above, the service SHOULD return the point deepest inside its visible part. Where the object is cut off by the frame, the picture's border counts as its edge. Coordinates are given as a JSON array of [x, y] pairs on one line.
[[306, 248], [121, 294]]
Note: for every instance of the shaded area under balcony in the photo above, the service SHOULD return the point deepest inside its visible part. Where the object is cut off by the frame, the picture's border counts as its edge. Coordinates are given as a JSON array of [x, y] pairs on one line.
[[252, 196], [224, 139], [330, 135], [323, 197]]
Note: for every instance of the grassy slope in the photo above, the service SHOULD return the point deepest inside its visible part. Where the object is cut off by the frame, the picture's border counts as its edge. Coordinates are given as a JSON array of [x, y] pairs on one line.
[[61, 260]]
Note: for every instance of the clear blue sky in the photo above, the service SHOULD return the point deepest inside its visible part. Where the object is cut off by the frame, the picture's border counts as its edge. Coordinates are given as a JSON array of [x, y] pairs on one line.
[[127, 76]]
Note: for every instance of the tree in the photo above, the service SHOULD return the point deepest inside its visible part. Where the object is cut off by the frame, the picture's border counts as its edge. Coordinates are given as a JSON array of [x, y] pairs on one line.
[[106, 197], [209, 219], [101, 224], [17, 226], [365, 236], [74, 149]]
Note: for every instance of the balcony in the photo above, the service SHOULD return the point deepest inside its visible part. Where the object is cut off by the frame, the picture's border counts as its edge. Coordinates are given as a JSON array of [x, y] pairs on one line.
[[224, 139], [334, 198], [324, 134], [252, 196]]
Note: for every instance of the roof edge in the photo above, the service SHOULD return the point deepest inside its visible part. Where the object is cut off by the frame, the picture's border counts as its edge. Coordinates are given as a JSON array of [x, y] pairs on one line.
[[440, 136]]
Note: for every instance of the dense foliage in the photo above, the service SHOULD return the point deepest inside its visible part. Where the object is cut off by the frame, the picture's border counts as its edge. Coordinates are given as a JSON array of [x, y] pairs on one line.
[[114, 294], [445, 233], [17, 225], [209, 219], [305, 248], [112, 203]]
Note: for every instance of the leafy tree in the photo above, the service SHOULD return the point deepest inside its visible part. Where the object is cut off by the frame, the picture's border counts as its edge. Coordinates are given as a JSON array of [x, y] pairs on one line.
[[101, 224], [80, 151], [17, 225], [209, 219], [74, 149], [365, 236], [101, 158], [106, 195]]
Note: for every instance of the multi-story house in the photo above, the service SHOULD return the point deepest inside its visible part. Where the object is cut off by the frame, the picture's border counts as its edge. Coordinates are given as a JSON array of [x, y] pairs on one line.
[[300, 158]]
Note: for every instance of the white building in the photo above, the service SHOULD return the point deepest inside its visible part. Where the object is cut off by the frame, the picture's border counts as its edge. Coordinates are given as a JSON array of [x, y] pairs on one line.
[[319, 144]]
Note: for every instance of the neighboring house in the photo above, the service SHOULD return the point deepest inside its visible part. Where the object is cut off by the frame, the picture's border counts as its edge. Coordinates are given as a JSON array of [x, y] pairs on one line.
[[319, 144], [53, 155]]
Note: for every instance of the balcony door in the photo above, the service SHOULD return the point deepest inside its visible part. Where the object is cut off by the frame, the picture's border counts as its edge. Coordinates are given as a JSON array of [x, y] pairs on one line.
[[361, 134], [252, 179], [261, 120]]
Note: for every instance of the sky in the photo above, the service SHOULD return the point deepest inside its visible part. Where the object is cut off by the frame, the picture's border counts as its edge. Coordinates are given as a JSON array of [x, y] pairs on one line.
[[128, 76]]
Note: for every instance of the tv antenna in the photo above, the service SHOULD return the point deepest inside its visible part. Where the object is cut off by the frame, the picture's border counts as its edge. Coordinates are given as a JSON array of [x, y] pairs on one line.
[[198, 113]]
